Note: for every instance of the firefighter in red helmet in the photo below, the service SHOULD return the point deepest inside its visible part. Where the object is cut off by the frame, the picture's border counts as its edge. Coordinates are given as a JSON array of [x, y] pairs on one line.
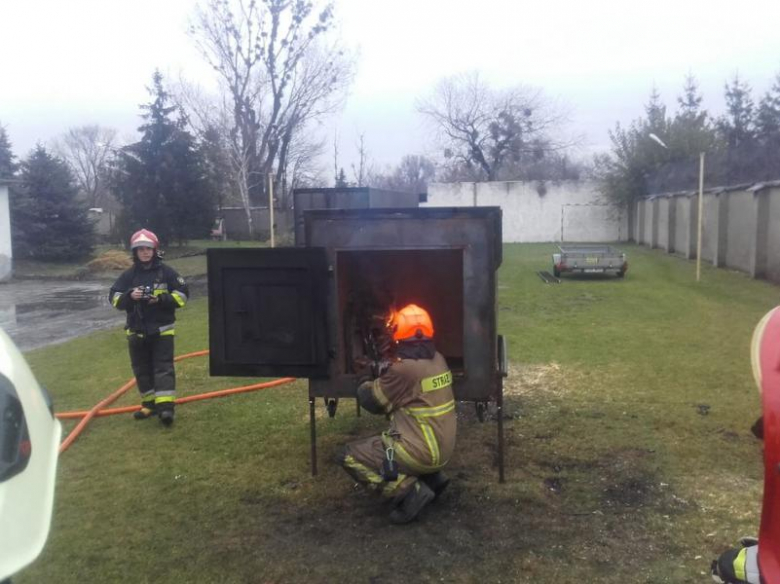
[[150, 293], [404, 463], [757, 560]]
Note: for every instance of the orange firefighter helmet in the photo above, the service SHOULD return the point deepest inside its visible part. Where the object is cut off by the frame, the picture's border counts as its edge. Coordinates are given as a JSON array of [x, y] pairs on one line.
[[412, 323]]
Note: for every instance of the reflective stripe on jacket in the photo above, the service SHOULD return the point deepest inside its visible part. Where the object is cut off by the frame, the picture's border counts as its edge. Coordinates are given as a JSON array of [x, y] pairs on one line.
[[164, 283], [417, 393]]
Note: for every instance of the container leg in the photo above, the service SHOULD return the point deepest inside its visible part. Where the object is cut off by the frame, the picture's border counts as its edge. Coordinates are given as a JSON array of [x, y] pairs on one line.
[[503, 371], [500, 414], [313, 428]]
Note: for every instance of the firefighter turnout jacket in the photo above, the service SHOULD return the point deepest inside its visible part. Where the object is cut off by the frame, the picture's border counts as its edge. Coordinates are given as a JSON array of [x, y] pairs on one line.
[[739, 565], [417, 395], [159, 280]]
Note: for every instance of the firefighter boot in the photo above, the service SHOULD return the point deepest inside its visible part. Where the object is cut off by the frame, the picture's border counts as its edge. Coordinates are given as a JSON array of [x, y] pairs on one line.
[[437, 482], [411, 505], [148, 409], [166, 414]]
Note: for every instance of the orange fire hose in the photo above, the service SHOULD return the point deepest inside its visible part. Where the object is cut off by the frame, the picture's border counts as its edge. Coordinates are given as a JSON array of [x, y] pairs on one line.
[[98, 409]]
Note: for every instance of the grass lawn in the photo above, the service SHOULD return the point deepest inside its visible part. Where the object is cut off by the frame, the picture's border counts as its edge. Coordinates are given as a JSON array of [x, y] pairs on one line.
[[629, 457]]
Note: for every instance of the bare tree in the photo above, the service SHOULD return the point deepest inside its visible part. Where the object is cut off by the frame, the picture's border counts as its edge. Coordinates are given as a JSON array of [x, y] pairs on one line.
[[211, 116], [490, 132], [303, 167], [279, 75], [336, 157], [412, 175], [361, 171], [87, 150]]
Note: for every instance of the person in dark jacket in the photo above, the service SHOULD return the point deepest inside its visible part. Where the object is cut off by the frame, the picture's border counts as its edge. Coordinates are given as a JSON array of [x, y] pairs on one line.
[[150, 293], [404, 463]]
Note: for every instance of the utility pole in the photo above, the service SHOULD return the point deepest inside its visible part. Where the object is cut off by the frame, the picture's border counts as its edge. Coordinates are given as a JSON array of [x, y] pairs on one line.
[[271, 205], [701, 216]]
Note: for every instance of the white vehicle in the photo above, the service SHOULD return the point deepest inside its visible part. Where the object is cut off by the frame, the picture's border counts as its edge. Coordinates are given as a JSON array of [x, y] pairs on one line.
[[29, 446]]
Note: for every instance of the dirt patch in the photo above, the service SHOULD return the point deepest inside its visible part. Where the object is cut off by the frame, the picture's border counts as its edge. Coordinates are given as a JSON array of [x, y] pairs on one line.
[[563, 518], [533, 380], [474, 532]]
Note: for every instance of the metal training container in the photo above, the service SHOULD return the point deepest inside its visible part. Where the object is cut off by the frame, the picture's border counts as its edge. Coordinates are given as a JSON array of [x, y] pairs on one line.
[[309, 311]]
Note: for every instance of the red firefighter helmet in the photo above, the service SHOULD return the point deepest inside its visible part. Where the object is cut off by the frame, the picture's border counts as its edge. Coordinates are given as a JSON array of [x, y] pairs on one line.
[[411, 323], [144, 238]]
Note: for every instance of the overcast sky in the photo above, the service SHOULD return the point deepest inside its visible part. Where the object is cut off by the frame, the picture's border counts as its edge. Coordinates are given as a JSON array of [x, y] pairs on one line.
[[65, 63]]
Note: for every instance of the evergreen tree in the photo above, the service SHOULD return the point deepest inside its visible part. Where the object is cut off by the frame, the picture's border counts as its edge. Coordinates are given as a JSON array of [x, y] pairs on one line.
[[768, 116], [736, 125], [690, 101], [767, 131], [691, 132], [341, 180], [214, 153], [8, 165], [739, 147], [48, 221], [656, 121], [638, 166], [161, 180]]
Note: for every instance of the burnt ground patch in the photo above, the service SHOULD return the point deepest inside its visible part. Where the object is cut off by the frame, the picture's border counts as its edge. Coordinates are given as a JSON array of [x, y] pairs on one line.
[[566, 514]]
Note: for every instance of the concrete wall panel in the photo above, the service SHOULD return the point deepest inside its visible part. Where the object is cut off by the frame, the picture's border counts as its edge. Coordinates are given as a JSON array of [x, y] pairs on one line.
[[663, 222], [740, 229], [648, 223], [773, 236], [709, 227], [681, 224]]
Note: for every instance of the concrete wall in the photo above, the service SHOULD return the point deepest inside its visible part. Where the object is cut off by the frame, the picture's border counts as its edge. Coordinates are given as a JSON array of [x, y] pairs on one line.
[[740, 227], [567, 211], [647, 223], [5, 234], [682, 219], [709, 225], [663, 240], [773, 240]]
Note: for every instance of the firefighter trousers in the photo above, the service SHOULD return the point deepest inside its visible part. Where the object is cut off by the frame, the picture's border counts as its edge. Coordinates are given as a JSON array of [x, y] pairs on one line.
[[363, 459], [151, 357]]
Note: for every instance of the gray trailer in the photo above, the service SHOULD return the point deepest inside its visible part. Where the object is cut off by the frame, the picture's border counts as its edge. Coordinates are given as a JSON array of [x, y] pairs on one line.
[[596, 259]]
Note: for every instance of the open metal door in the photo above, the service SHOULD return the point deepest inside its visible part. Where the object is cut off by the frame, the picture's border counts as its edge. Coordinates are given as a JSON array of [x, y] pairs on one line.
[[268, 312]]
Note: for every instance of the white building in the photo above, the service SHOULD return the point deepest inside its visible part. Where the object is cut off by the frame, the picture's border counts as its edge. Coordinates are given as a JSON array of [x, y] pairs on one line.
[[6, 254]]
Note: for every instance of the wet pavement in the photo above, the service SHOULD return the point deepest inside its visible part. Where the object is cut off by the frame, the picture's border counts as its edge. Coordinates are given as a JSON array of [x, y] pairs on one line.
[[36, 313]]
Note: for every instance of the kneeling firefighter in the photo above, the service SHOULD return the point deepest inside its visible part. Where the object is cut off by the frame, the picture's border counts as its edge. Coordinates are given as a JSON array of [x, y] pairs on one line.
[[150, 292], [404, 463]]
